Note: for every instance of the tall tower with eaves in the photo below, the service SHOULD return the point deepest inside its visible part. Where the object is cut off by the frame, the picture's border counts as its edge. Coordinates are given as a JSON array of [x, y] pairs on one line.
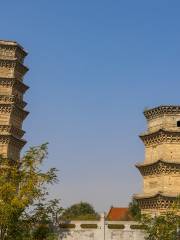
[[161, 167], [12, 89]]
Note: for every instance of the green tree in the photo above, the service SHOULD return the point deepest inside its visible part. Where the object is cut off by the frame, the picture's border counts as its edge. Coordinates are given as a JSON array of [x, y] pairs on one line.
[[161, 227], [22, 185], [45, 219], [164, 226], [135, 210], [80, 211]]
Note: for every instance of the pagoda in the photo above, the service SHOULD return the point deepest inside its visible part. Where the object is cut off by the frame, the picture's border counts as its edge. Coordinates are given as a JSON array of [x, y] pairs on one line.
[[161, 167], [12, 89]]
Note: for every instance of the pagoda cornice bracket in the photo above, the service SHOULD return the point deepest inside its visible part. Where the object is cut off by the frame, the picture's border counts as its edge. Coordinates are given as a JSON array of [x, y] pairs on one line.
[[160, 136], [159, 167], [161, 110], [10, 139], [12, 45], [10, 129], [155, 195], [13, 82], [156, 201], [12, 108], [13, 63], [12, 99]]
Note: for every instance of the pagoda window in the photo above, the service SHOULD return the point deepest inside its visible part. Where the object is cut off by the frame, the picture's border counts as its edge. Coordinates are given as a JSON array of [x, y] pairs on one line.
[[178, 123]]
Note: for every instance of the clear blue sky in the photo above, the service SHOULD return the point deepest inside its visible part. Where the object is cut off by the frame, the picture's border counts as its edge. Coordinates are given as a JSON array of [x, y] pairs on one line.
[[94, 66]]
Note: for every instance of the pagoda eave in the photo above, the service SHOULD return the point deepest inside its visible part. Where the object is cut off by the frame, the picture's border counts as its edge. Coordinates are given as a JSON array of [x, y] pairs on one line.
[[10, 129], [13, 44], [161, 110], [158, 167], [13, 63], [9, 99], [155, 201], [10, 82], [156, 133], [139, 165], [160, 136], [4, 139], [155, 195]]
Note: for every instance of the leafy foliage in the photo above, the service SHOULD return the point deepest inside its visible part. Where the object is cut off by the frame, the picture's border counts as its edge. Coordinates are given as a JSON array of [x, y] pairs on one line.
[[79, 211], [22, 185], [135, 210], [161, 227], [45, 219], [164, 226]]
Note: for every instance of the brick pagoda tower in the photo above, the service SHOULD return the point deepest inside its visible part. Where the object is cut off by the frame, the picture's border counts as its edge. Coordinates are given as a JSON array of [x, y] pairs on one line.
[[161, 167], [12, 106]]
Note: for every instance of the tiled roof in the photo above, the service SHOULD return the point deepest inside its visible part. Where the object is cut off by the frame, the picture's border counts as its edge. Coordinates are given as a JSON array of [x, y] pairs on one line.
[[119, 214]]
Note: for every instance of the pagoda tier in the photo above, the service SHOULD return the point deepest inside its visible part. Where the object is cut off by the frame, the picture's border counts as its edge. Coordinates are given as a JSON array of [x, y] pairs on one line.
[[155, 203], [11, 130], [13, 109], [12, 89], [159, 167], [11, 146], [161, 136], [12, 50], [158, 177], [161, 111], [19, 143], [12, 85], [12, 99], [12, 68]]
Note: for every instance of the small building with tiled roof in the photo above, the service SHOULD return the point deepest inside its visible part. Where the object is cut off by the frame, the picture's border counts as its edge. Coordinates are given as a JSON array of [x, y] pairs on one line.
[[119, 214]]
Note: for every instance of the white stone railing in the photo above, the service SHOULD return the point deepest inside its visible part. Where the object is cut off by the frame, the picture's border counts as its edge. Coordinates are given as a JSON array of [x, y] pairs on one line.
[[100, 230]]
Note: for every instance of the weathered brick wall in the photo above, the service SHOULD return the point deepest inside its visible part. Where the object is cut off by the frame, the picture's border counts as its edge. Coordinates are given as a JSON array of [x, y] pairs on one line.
[[165, 122], [168, 151]]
